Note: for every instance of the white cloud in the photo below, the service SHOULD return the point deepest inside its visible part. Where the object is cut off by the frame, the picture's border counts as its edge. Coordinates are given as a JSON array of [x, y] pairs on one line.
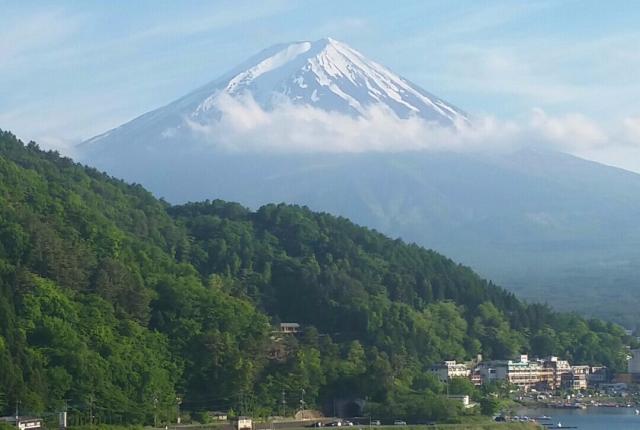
[[243, 125], [570, 132]]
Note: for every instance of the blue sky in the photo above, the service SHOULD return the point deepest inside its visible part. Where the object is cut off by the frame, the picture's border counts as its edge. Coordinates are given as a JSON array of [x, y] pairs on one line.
[[70, 70]]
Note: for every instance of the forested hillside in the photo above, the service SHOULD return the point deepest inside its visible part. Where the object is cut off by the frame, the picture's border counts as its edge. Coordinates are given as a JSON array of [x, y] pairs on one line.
[[126, 306]]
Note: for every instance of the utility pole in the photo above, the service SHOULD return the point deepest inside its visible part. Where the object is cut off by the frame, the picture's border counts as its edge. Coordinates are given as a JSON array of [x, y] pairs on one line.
[[302, 402], [17, 413], [284, 405], [92, 399], [155, 411], [62, 419], [178, 402]]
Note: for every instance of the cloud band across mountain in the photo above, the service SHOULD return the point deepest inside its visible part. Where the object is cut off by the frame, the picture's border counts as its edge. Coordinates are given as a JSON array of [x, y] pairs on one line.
[[243, 125]]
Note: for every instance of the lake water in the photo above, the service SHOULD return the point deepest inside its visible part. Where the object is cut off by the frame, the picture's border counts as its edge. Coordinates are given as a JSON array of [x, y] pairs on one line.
[[590, 418]]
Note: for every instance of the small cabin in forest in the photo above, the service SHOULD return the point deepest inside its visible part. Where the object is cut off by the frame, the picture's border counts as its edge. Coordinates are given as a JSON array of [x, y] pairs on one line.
[[290, 328]]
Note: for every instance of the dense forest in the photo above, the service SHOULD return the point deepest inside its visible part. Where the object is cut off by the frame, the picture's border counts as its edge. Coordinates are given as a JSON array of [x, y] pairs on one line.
[[117, 304]]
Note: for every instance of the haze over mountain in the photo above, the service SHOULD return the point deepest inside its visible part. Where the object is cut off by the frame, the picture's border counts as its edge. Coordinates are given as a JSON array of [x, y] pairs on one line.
[[317, 123]]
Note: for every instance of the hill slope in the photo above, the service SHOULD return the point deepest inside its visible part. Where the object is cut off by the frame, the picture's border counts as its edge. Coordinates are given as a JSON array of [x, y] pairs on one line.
[[119, 302]]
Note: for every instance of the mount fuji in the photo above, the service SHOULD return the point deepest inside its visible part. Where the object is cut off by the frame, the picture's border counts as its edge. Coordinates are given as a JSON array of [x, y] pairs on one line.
[[325, 74], [543, 223]]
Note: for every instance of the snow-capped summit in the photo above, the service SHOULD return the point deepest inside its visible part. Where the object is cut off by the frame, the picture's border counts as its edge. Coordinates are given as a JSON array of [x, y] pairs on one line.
[[325, 74], [329, 75]]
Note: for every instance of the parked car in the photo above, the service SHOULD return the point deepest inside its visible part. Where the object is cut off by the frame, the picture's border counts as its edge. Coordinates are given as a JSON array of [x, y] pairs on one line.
[[399, 423], [316, 424], [347, 423], [335, 424], [375, 422]]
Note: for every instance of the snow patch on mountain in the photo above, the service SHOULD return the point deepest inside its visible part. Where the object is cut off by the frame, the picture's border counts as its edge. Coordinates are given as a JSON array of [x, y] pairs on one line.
[[267, 65]]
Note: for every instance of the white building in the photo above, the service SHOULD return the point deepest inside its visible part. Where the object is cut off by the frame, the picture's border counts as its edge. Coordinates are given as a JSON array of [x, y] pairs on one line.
[[243, 423], [450, 369], [523, 372]]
